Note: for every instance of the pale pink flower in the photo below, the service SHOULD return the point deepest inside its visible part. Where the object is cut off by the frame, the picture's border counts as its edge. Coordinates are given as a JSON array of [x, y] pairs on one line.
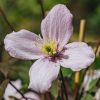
[[31, 96], [51, 50], [10, 91], [97, 95]]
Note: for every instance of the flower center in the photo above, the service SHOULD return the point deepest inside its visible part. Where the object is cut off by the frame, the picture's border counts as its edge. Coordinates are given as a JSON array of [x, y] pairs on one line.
[[49, 48]]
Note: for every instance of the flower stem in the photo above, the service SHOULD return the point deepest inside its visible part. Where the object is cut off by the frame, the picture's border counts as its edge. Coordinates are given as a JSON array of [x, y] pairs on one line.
[[63, 84], [17, 90], [6, 20], [1, 42], [62, 95], [42, 8], [77, 84], [11, 28]]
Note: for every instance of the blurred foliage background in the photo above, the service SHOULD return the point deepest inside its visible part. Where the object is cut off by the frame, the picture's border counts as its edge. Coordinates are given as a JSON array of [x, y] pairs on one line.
[[26, 14]]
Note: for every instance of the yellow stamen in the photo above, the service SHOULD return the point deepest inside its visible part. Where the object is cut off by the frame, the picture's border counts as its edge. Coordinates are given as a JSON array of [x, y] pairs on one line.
[[49, 48]]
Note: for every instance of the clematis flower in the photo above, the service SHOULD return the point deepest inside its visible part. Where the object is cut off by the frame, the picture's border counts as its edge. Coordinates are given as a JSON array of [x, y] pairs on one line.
[[51, 50], [11, 92], [31, 96]]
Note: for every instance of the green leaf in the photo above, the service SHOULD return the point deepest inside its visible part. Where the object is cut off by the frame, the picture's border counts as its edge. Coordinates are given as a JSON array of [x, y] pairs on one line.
[[93, 90], [24, 87], [66, 72], [87, 97], [54, 89], [96, 64], [93, 83]]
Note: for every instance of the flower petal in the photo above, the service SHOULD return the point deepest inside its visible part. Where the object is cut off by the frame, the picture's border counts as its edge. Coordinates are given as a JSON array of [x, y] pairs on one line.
[[57, 26], [79, 56], [31, 96], [97, 95], [10, 91], [42, 73], [23, 44]]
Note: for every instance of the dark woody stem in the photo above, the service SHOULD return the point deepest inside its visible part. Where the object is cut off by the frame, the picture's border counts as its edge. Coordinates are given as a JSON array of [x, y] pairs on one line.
[[42, 8], [6, 20], [62, 92], [63, 84], [10, 26], [18, 90]]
